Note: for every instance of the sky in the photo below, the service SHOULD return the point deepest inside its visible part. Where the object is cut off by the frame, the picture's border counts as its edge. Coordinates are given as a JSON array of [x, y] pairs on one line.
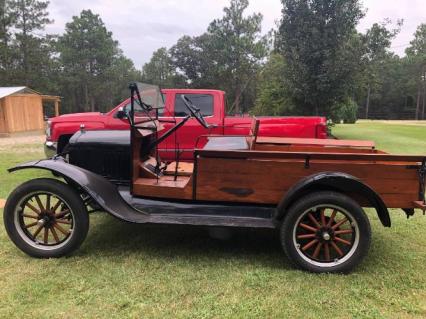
[[143, 26]]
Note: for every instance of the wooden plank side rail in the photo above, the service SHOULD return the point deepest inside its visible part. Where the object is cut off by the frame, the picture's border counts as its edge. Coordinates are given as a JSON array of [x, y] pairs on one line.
[[311, 155], [266, 180], [313, 141]]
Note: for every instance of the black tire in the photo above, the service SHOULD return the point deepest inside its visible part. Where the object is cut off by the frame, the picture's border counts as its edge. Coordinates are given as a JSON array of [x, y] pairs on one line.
[[77, 218], [297, 223]]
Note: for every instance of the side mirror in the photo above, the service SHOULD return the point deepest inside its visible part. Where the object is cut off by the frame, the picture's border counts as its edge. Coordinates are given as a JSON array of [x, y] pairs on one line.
[[121, 113]]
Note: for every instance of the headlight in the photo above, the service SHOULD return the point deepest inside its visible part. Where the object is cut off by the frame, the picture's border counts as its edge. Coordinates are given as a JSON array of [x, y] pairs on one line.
[[48, 129]]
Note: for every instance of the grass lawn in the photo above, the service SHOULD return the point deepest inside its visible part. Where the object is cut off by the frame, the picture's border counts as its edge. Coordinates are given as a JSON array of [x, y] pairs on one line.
[[125, 270]]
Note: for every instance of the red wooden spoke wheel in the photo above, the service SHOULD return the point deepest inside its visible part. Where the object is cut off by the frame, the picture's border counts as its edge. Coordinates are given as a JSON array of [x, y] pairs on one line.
[[46, 219], [326, 234]]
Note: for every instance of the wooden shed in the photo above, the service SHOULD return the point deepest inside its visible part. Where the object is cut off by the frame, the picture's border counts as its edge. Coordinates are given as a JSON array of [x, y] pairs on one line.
[[21, 109]]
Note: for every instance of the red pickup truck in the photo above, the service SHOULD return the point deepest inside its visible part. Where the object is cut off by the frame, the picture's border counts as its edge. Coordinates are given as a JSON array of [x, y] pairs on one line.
[[212, 104]]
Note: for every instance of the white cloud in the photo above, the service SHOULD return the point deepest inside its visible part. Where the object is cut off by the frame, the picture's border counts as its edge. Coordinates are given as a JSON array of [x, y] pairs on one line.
[[413, 12], [142, 26]]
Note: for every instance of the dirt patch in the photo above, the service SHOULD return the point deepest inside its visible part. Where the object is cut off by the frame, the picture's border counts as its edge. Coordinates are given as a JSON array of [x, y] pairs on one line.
[[22, 140], [2, 202]]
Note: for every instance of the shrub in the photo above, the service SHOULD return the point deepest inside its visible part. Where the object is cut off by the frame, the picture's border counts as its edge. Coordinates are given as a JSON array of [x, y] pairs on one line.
[[346, 112]]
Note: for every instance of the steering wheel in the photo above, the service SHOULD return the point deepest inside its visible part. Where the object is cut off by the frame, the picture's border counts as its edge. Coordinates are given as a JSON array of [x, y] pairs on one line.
[[195, 111]]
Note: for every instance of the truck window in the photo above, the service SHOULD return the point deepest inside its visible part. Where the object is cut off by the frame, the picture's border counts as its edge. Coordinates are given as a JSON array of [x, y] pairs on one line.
[[138, 108], [203, 101]]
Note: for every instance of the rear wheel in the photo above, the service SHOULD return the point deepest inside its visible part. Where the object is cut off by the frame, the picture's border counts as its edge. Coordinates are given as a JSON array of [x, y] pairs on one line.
[[326, 232], [46, 218]]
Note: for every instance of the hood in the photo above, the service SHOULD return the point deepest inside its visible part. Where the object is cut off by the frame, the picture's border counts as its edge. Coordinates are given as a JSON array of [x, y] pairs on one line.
[[77, 117]]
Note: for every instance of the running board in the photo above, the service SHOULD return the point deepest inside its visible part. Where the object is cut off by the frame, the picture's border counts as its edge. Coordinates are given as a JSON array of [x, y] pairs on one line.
[[205, 220], [205, 214]]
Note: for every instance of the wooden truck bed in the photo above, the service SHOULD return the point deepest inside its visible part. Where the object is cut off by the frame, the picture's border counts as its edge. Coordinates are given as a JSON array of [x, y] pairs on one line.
[[264, 177], [240, 170]]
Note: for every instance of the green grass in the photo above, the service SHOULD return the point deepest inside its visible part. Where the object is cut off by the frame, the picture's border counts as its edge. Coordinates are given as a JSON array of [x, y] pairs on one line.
[[125, 270], [394, 138]]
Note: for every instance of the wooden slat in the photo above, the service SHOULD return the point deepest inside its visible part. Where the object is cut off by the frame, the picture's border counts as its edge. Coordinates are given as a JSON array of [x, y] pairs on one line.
[[311, 155], [164, 188], [183, 169], [3, 127], [24, 113], [314, 141], [399, 201], [297, 168], [264, 181], [315, 149]]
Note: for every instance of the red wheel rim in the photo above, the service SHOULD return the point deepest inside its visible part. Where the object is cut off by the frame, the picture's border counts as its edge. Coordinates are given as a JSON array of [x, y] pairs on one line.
[[325, 234]]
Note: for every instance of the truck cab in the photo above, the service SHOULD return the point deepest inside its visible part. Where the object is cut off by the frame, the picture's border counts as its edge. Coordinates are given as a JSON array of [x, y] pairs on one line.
[[212, 104]]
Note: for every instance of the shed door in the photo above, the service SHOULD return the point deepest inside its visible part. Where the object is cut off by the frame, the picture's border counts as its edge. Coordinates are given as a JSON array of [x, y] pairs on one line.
[[2, 118]]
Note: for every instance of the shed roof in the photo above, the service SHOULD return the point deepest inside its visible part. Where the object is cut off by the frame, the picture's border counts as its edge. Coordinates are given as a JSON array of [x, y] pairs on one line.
[[6, 91]]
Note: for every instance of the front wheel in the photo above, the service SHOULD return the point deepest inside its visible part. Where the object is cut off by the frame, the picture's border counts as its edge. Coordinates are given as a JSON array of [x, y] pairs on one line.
[[46, 218], [326, 232]]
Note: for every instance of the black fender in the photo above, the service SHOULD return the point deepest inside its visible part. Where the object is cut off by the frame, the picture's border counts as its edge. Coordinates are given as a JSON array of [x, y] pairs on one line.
[[102, 191], [335, 181]]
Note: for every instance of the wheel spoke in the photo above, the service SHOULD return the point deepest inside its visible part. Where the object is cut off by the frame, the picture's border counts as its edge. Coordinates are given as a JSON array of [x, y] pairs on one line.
[[62, 214], [310, 244], [31, 225], [29, 216], [38, 230], [307, 227], [305, 236], [35, 210], [323, 222], [336, 248], [314, 221], [48, 201], [343, 241], [46, 235], [63, 231], [331, 220], [55, 235], [40, 204], [54, 208], [326, 251], [63, 221], [344, 231], [317, 250], [344, 220]]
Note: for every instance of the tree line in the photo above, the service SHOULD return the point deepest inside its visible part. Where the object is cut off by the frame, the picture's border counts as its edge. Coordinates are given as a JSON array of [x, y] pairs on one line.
[[85, 65], [314, 62]]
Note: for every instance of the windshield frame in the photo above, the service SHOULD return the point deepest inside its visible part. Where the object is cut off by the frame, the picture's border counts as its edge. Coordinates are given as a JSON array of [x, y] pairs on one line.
[[150, 99]]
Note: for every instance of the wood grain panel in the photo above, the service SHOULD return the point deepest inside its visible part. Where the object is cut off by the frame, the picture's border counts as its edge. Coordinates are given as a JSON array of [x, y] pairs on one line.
[[313, 141], [323, 149], [3, 127], [165, 187], [24, 113], [273, 155], [266, 181]]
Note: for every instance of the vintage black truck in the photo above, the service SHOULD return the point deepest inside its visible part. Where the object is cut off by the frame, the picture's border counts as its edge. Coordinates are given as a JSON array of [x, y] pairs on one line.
[[310, 191]]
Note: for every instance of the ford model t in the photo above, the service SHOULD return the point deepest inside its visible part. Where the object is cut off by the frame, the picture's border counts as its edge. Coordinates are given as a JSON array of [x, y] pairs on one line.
[[311, 191]]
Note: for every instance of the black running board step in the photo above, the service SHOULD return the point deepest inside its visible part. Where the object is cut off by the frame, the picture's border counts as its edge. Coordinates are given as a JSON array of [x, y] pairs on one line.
[[168, 207], [203, 220]]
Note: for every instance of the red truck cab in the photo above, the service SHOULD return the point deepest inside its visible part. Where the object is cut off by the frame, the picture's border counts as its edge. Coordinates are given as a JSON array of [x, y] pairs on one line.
[[212, 104]]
